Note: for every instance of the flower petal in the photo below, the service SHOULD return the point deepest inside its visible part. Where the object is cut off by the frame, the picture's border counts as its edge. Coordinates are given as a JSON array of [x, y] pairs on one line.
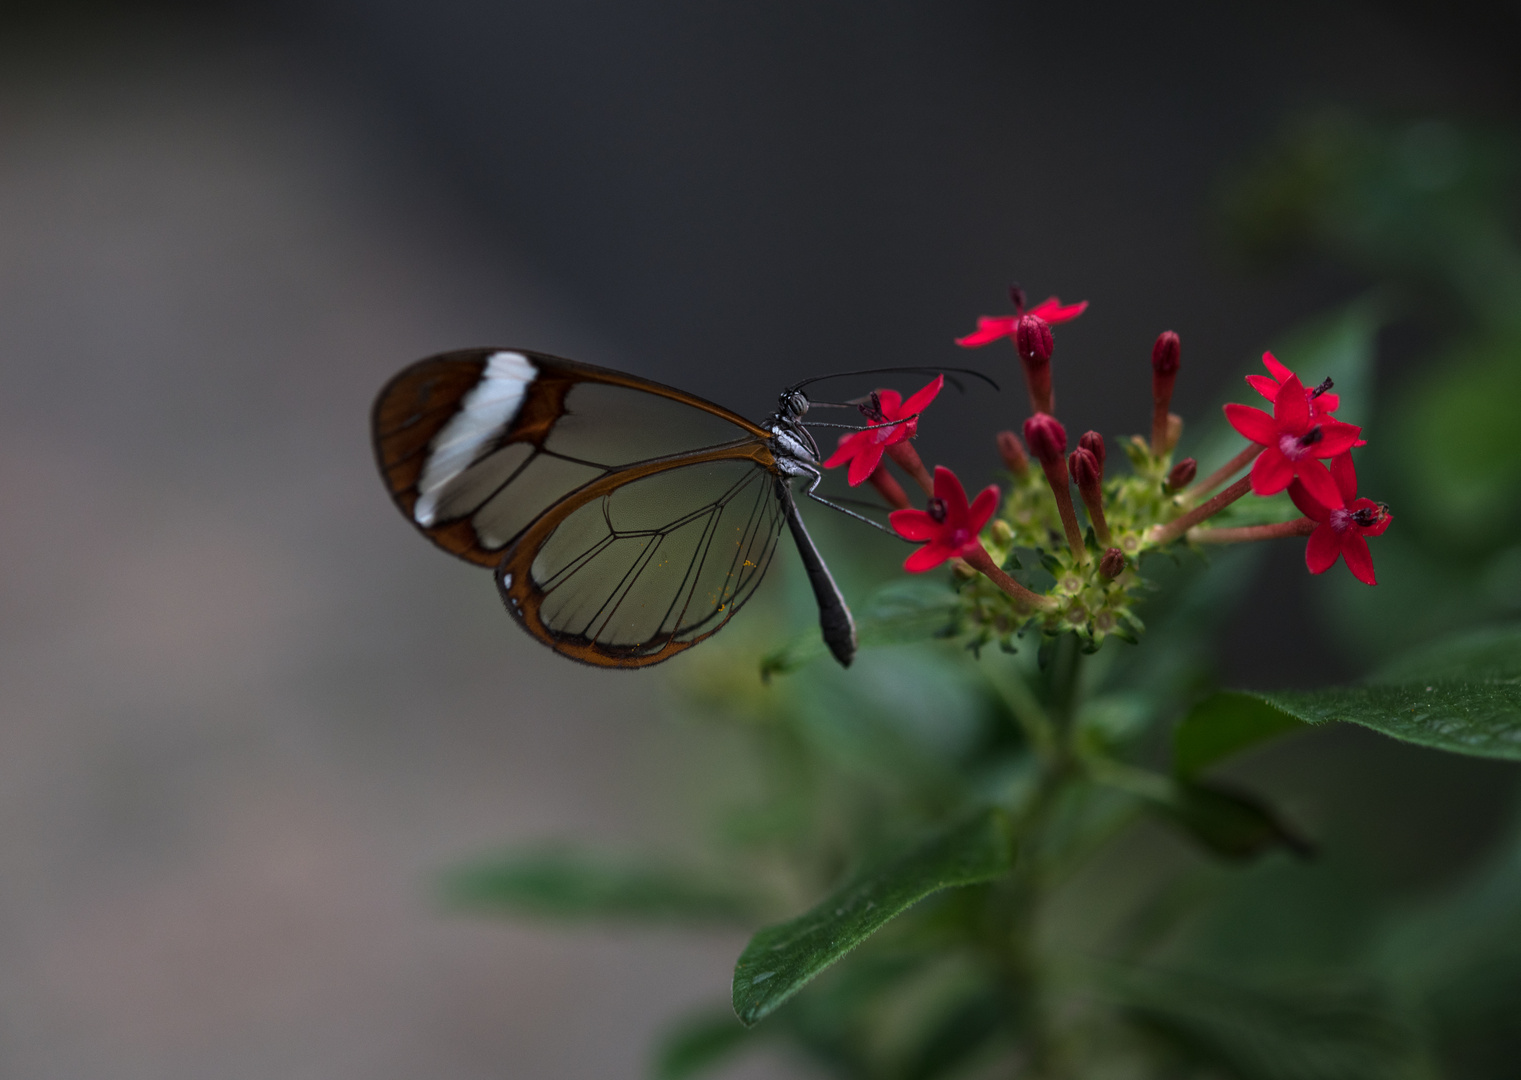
[[1308, 506], [850, 445], [1327, 402], [1316, 479], [920, 400], [1336, 438], [1291, 409], [927, 558], [948, 490], [1345, 475], [1280, 373], [891, 402], [1052, 310], [1359, 559], [913, 525], [1253, 424], [982, 508], [1271, 472], [864, 464], [1265, 386], [1321, 553], [989, 328]]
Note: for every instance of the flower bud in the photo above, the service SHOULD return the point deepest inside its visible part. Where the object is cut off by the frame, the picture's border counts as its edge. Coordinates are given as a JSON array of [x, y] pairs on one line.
[[1032, 337], [1012, 453], [1093, 442], [1182, 474], [1085, 469], [1112, 564], [1046, 438], [1003, 532], [1165, 355], [1165, 360]]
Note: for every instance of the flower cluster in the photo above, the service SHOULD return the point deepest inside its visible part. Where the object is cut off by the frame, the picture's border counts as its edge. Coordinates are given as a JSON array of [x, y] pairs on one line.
[[1083, 575]]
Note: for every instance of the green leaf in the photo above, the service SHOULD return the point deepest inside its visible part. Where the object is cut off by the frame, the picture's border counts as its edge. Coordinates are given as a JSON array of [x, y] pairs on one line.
[[700, 1043], [1297, 1032], [900, 612], [1222, 725], [567, 885], [1462, 695], [781, 959], [1232, 824]]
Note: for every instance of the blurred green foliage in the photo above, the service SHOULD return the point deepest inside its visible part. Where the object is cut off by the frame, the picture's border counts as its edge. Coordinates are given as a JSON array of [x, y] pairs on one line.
[[1050, 864]]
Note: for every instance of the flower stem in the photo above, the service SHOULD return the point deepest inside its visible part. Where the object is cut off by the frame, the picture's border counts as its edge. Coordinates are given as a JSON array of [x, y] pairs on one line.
[[981, 561], [1166, 534], [908, 459], [1224, 472], [1299, 527], [888, 487]]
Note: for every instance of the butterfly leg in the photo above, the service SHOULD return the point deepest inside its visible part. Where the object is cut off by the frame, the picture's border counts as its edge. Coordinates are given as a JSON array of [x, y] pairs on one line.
[[817, 479], [834, 617]]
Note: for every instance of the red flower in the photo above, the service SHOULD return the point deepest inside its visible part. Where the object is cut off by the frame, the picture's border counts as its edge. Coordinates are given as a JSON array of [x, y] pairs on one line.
[[993, 327], [1341, 526], [1293, 439], [863, 449], [950, 527], [1322, 401]]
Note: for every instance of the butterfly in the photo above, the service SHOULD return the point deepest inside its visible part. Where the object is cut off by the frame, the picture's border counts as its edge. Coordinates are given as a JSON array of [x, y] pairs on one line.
[[612, 540]]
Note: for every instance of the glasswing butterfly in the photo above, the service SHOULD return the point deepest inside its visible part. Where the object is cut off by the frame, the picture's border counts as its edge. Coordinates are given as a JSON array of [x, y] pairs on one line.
[[613, 541]]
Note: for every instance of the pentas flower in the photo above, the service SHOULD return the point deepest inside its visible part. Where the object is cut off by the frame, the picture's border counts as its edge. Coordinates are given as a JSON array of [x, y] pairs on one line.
[[1293, 441], [949, 527], [1341, 525], [992, 327], [1322, 401], [892, 420]]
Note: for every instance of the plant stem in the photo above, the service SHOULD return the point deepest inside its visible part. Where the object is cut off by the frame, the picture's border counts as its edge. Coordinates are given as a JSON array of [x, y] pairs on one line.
[[1165, 534], [1224, 472], [1299, 527]]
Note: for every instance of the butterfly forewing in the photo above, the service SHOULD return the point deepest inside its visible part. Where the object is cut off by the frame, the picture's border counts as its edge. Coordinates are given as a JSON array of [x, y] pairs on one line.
[[475, 445], [648, 562]]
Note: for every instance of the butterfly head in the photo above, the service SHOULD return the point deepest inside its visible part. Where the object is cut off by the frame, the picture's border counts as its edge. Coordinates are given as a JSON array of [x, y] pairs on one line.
[[792, 404]]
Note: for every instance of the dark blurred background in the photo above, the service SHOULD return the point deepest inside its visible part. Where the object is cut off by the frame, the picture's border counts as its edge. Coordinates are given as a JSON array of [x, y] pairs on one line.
[[247, 713]]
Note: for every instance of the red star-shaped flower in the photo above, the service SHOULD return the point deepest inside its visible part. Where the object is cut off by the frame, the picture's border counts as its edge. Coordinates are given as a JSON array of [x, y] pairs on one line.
[[1322, 401], [1342, 525], [1293, 439], [863, 449], [949, 527], [993, 327]]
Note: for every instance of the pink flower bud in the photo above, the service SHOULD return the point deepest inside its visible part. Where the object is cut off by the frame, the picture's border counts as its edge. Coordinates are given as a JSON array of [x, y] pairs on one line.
[[1012, 453], [1166, 353], [1182, 474], [1046, 438], [1112, 564], [1165, 360], [1032, 336], [1093, 442], [1085, 470]]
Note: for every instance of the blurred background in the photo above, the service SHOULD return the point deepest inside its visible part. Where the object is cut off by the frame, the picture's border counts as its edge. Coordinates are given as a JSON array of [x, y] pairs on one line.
[[249, 715]]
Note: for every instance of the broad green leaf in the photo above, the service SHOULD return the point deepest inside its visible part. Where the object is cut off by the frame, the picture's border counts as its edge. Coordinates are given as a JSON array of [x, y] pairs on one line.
[[900, 612], [566, 885], [1295, 1032], [1225, 724], [1463, 695], [781, 959], [700, 1043], [1233, 824]]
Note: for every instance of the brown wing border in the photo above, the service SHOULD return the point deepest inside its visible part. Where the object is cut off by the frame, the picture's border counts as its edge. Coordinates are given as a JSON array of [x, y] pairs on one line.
[[515, 582], [404, 422]]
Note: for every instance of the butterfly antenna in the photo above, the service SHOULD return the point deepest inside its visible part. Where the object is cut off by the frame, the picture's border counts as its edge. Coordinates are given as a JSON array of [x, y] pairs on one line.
[[901, 371]]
